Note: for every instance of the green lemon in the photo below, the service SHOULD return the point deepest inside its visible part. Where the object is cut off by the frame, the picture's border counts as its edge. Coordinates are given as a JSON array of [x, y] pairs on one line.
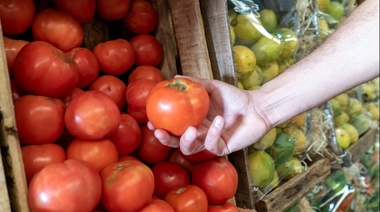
[[355, 107], [245, 32], [290, 168], [343, 138], [268, 19], [352, 132], [261, 167], [340, 119], [336, 10], [266, 141], [253, 80], [290, 42], [267, 49], [298, 137], [244, 61], [323, 5], [232, 35], [269, 71]]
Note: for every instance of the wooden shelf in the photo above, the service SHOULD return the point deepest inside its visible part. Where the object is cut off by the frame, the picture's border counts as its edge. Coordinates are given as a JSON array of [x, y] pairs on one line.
[[363, 144]]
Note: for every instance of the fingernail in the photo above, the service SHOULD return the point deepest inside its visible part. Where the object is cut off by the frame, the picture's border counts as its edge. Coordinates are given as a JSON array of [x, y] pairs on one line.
[[189, 136], [218, 123]]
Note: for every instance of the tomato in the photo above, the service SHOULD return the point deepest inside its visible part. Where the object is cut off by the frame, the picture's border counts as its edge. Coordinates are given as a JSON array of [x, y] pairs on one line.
[[225, 207], [73, 94], [148, 50], [115, 56], [218, 178], [198, 157], [82, 11], [42, 69], [57, 28], [176, 104], [99, 153], [136, 94], [112, 10], [150, 150], [92, 115], [146, 72], [127, 186], [71, 185], [88, 66], [187, 198], [127, 157], [17, 92], [157, 205], [141, 18], [36, 157], [39, 119], [112, 86], [139, 114], [177, 157], [128, 135], [167, 176], [16, 16], [12, 48]]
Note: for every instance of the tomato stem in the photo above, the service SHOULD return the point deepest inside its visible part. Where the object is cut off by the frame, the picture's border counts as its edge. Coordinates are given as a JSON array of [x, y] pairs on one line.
[[177, 84]]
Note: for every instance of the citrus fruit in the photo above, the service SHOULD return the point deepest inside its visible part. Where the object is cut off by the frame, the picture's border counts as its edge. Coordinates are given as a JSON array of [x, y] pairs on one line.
[[323, 5], [343, 100], [245, 32], [267, 49], [290, 41], [298, 137], [340, 119], [355, 107], [266, 141], [282, 149], [231, 14], [323, 29], [290, 168], [272, 184], [298, 120], [244, 61], [342, 137], [269, 70], [336, 10], [232, 35], [268, 19], [372, 110], [261, 167], [254, 79], [352, 132]]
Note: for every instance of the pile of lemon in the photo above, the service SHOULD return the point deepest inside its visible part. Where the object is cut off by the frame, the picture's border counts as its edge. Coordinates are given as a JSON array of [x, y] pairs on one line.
[[262, 49]]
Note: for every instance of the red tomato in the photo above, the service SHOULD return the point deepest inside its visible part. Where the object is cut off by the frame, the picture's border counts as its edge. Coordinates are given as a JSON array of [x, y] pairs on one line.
[[139, 114], [127, 157], [73, 94], [225, 207], [112, 10], [115, 56], [39, 119], [151, 151], [16, 16], [141, 18], [99, 153], [136, 94], [88, 66], [176, 104], [82, 11], [157, 205], [187, 198], [177, 157], [198, 157], [127, 186], [112, 86], [167, 176], [146, 72], [17, 92], [218, 178], [12, 48], [42, 69], [36, 157], [148, 50], [128, 135], [57, 28], [71, 185], [92, 115]]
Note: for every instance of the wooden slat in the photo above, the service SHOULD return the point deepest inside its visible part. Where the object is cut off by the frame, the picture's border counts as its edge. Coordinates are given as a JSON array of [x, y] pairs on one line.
[[4, 198], [190, 37], [10, 146], [293, 190], [363, 144]]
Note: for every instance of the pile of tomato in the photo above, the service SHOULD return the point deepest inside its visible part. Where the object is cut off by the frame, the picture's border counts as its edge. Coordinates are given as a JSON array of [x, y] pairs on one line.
[[81, 114]]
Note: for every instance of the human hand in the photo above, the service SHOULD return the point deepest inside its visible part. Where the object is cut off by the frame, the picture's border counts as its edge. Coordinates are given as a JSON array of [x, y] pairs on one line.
[[232, 122]]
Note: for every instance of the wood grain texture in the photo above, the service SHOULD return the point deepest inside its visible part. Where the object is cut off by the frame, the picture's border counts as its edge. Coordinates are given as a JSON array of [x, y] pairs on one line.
[[190, 37]]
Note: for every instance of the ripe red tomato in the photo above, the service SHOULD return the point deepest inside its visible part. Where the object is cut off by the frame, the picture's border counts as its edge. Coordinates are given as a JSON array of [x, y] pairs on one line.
[[88, 66], [82, 11], [198, 157], [16, 16], [42, 69], [135, 95], [146, 72], [218, 178], [127, 186], [167, 176], [12, 48], [99, 153], [36, 157], [57, 28], [92, 115], [157, 205], [177, 157], [115, 56], [176, 104], [148, 50], [71, 185], [141, 18], [225, 207], [112, 86], [150, 150], [17, 92], [73, 94], [39, 119], [187, 198], [112, 10], [128, 135]]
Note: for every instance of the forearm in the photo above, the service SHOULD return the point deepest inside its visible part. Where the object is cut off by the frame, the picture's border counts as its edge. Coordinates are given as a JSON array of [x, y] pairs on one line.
[[348, 58]]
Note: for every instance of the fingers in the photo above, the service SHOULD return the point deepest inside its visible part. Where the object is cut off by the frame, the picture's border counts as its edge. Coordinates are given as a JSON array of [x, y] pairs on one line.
[[166, 139], [190, 143], [213, 141]]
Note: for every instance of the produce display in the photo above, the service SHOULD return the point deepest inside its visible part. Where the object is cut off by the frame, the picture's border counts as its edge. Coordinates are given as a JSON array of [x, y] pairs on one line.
[[82, 105]]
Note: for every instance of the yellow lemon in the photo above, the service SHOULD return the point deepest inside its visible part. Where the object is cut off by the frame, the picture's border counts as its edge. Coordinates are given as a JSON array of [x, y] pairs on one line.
[[355, 107], [343, 138], [245, 32], [340, 119], [266, 141], [298, 137], [352, 132], [373, 110], [267, 49], [253, 80], [244, 61], [261, 167]]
